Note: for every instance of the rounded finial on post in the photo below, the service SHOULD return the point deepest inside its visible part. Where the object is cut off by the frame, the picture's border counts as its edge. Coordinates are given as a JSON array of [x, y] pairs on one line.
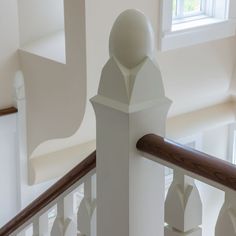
[[132, 38]]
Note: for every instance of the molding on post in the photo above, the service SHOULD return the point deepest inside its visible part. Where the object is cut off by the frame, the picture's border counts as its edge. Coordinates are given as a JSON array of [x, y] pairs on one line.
[[131, 102]]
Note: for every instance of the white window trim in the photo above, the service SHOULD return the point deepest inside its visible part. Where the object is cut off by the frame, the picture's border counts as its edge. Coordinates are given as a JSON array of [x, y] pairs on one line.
[[189, 33]]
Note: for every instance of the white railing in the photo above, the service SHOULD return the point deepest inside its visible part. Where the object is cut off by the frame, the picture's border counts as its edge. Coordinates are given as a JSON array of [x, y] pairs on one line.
[[74, 213], [66, 208]]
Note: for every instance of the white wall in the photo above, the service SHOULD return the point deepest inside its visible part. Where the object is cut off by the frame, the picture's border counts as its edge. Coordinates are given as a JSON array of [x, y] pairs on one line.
[[38, 18], [15, 190], [9, 43], [9, 198], [215, 142]]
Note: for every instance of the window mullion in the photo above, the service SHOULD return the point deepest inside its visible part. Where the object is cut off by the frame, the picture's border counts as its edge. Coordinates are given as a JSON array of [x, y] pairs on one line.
[[180, 8]]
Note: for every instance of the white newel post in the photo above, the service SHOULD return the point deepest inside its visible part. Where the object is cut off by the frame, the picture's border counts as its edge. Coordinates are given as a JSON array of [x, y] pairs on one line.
[[130, 103], [183, 207], [226, 223]]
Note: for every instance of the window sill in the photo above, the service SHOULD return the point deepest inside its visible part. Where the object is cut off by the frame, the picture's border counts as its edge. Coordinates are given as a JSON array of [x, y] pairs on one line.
[[195, 32], [207, 21]]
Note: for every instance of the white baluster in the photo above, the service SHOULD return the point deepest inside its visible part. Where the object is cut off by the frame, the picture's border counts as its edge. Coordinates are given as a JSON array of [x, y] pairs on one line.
[[183, 207], [86, 209], [44, 224], [70, 216], [65, 224], [94, 215], [40, 225], [22, 233], [58, 225], [36, 226], [226, 223]]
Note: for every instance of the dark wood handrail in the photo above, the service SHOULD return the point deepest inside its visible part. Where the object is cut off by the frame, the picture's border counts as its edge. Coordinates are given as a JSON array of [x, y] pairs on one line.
[[8, 111], [204, 165], [51, 194]]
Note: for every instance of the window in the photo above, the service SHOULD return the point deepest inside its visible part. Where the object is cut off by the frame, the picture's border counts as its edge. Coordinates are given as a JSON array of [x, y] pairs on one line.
[[184, 9], [187, 22]]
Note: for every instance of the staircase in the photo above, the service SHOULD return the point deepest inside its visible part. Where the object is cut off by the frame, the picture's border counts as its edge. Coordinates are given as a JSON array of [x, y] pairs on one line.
[[123, 183]]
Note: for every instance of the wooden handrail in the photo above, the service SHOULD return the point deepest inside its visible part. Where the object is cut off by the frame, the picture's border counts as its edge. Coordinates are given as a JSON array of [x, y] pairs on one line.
[[199, 163], [8, 111], [51, 194]]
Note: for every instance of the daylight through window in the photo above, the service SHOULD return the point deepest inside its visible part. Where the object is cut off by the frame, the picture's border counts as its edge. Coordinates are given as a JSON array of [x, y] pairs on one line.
[[183, 9]]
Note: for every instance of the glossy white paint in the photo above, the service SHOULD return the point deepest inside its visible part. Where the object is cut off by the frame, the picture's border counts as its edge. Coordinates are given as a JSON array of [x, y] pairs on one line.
[[183, 207], [131, 44], [124, 178]]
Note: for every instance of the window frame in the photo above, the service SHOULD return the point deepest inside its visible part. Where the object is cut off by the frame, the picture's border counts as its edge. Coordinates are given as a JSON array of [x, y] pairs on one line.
[[218, 23], [181, 16]]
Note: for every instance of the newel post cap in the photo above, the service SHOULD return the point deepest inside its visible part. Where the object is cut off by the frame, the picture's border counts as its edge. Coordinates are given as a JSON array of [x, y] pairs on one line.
[[131, 38], [131, 80]]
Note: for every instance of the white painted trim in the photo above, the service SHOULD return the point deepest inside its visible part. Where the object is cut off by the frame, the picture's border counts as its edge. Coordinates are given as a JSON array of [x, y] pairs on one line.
[[222, 25], [197, 35]]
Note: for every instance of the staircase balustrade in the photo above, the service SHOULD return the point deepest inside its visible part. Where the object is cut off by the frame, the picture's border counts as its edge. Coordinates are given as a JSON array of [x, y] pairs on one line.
[[35, 216]]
